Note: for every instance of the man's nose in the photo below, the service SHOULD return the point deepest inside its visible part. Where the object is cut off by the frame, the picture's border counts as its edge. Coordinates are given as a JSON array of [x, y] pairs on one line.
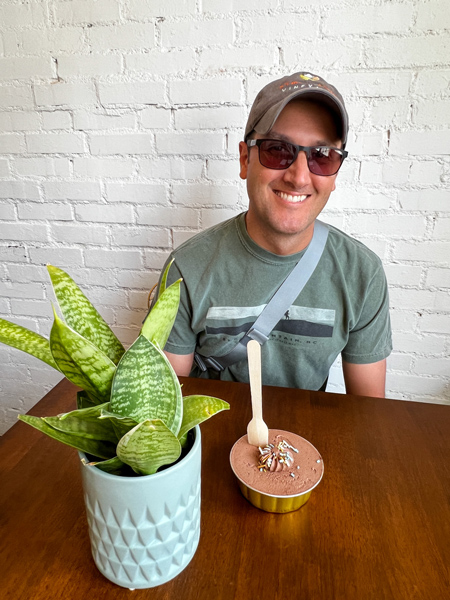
[[298, 174]]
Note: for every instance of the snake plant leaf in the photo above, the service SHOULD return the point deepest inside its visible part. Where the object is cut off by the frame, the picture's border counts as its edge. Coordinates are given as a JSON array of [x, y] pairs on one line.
[[145, 386], [163, 284], [197, 409], [82, 317], [86, 423], [102, 449], [121, 425], [159, 322], [80, 361], [113, 466], [148, 446], [84, 400], [26, 340]]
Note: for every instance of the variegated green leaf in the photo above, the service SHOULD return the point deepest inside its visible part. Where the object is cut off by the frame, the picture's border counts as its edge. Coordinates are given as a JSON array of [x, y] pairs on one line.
[[80, 361], [122, 425], [149, 446], [82, 317], [102, 449], [26, 340], [145, 386], [159, 322], [85, 400], [85, 422], [113, 466], [163, 283], [197, 409]]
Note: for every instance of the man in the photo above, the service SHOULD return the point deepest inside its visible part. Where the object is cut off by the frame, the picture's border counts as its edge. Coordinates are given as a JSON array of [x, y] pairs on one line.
[[293, 148]]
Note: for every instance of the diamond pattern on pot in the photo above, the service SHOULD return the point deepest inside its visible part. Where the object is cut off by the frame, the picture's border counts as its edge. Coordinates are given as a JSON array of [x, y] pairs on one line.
[[153, 542]]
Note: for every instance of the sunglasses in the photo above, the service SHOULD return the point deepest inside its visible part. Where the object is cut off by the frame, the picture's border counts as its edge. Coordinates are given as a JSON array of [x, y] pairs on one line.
[[277, 154]]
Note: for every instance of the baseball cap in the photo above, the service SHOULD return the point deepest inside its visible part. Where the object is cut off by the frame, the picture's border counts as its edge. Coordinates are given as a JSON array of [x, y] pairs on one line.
[[271, 100]]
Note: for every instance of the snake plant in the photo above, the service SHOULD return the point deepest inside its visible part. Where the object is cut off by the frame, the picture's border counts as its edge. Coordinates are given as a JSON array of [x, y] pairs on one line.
[[131, 417]]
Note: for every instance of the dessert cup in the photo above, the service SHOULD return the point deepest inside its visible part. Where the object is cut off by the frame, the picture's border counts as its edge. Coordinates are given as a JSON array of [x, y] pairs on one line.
[[285, 487]]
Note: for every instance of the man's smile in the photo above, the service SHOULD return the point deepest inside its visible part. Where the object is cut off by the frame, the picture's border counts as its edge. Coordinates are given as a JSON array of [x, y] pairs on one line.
[[291, 198]]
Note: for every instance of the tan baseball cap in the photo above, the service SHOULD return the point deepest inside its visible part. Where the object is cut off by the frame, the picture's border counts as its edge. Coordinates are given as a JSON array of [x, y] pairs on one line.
[[271, 100]]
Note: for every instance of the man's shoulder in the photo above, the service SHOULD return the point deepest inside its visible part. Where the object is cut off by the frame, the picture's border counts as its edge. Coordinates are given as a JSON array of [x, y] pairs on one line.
[[208, 239], [349, 248]]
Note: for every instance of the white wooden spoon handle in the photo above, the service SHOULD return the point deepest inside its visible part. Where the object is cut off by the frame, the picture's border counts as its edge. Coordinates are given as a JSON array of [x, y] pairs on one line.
[[254, 369]]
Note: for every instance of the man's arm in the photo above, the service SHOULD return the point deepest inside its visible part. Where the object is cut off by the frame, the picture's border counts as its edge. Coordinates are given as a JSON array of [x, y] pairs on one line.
[[181, 363], [365, 380]]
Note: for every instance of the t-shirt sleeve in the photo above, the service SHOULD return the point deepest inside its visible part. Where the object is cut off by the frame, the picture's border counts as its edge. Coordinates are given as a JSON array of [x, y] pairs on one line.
[[370, 339], [182, 339]]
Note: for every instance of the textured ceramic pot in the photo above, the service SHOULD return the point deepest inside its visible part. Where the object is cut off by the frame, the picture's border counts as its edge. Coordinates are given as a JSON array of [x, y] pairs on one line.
[[144, 530]]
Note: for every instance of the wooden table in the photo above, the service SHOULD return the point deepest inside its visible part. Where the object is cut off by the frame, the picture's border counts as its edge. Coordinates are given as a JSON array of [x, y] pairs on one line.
[[377, 527]]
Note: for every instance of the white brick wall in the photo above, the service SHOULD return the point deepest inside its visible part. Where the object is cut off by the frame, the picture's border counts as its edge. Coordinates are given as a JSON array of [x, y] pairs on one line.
[[119, 127]]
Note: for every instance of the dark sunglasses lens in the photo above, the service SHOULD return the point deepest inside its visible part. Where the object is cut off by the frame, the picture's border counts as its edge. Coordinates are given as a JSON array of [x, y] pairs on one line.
[[324, 161], [274, 154]]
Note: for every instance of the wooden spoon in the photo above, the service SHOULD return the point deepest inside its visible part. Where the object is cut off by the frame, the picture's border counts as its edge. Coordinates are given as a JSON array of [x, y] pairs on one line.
[[257, 432]]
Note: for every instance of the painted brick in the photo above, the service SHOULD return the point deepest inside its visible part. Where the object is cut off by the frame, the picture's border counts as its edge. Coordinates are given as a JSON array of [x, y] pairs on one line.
[[84, 120], [18, 121], [222, 169], [442, 228], [79, 234], [115, 259], [432, 366], [136, 192], [31, 308], [161, 61], [155, 118], [179, 237], [435, 323], [19, 190], [196, 194], [58, 119], [429, 200], [7, 211], [196, 33], [16, 96], [4, 168], [21, 290], [390, 18], [399, 362], [372, 84], [366, 144], [389, 225], [420, 143], [139, 299], [103, 167], [212, 91], [23, 15], [218, 6], [425, 172], [189, 143], [53, 143], [71, 190], [89, 65], [25, 68], [433, 15], [361, 198], [411, 384], [13, 253], [138, 280], [121, 144], [281, 27], [155, 260], [432, 113], [65, 93], [44, 211], [167, 216], [141, 237], [323, 54], [403, 274], [421, 343], [144, 9], [411, 51], [387, 111], [213, 216], [170, 168], [424, 251], [11, 143], [84, 11], [122, 37], [210, 118], [101, 213], [41, 167], [214, 59], [63, 257], [438, 277], [132, 92], [432, 82]]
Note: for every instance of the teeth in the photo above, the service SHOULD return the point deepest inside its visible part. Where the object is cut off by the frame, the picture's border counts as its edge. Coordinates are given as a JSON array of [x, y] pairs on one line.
[[290, 198]]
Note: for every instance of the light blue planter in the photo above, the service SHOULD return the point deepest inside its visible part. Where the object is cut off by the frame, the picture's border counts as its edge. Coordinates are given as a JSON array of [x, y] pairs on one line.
[[144, 530]]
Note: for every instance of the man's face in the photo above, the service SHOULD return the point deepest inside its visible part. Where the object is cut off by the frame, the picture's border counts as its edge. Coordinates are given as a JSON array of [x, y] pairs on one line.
[[283, 205]]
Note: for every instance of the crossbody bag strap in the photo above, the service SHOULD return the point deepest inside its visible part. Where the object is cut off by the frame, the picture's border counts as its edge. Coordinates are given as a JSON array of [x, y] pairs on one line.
[[276, 307]]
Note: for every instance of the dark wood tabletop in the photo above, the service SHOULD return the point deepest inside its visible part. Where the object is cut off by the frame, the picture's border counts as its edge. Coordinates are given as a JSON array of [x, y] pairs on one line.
[[377, 526]]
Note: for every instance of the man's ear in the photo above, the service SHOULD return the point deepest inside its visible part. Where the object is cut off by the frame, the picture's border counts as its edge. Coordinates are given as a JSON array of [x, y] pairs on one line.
[[243, 160]]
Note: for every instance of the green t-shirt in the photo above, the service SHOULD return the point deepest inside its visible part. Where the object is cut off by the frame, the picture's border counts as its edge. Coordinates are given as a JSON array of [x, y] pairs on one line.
[[228, 279]]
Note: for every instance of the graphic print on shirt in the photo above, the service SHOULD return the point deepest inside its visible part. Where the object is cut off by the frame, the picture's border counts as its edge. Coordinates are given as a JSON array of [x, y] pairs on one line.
[[297, 321]]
